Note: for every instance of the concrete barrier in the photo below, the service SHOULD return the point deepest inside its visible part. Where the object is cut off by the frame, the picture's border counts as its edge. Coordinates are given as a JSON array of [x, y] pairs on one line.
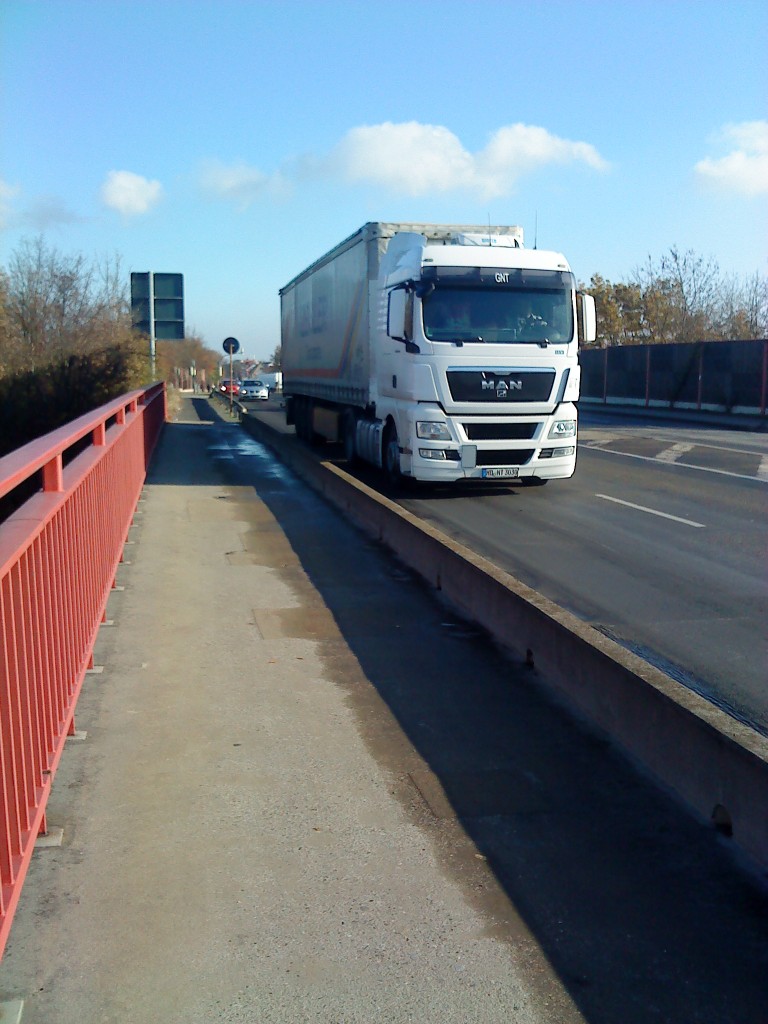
[[716, 765]]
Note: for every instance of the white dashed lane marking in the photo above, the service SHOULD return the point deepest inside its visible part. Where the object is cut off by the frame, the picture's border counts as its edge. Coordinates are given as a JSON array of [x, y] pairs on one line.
[[671, 456], [652, 511]]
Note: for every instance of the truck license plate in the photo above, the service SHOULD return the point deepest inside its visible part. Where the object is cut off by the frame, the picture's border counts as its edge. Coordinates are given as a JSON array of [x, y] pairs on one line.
[[495, 473]]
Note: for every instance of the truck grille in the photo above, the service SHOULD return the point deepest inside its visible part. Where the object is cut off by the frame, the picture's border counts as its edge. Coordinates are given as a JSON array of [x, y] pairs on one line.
[[499, 431], [505, 458], [502, 386]]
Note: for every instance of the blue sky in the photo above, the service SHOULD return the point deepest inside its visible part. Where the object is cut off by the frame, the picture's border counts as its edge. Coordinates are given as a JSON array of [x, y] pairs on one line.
[[235, 142]]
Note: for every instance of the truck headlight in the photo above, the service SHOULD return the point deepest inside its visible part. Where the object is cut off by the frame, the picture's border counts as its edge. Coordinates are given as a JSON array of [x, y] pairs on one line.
[[563, 428], [556, 453], [432, 430], [440, 454]]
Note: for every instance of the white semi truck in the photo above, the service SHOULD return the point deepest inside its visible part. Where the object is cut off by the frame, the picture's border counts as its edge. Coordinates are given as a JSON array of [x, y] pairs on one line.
[[438, 352]]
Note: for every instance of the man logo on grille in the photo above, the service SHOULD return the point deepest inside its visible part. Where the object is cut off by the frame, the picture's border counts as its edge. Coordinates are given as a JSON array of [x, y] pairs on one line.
[[502, 387]]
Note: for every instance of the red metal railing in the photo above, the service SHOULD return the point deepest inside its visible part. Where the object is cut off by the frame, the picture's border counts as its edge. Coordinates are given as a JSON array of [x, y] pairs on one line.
[[59, 553]]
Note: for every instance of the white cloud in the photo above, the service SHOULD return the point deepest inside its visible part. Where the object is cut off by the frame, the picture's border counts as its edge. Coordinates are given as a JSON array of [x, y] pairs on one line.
[[7, 194], [744, 170], [408, 158], [50, 212], [416, 159], [520, 149], [240, 183], [42, 213], [129, 193], [411, 158]]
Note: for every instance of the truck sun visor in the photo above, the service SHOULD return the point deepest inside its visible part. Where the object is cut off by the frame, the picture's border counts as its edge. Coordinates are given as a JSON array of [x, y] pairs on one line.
[[494, 277]]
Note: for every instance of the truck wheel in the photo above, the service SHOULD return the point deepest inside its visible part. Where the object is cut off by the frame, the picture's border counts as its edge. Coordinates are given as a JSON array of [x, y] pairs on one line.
[[391, 458]]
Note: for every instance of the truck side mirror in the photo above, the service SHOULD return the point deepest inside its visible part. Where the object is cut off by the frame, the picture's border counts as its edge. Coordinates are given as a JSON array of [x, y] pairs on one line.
[[585, 305], [400, 315]]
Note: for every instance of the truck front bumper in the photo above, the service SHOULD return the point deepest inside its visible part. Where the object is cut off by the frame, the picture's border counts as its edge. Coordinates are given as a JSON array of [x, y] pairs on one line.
[[542, 456], [556, 463]]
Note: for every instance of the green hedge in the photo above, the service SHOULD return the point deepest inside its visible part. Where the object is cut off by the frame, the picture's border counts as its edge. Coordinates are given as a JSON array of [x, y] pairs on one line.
[[35, 402]]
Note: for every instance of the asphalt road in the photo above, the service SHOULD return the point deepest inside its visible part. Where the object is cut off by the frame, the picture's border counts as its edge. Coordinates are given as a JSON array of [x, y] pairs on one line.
[[659, 541]]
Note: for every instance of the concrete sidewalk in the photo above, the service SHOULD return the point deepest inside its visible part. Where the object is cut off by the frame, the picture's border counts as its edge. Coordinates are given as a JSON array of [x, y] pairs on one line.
[[278, 814]]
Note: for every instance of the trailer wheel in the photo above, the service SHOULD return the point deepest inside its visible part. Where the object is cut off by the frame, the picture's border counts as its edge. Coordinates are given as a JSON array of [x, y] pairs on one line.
[[303, 415], [391, 458]]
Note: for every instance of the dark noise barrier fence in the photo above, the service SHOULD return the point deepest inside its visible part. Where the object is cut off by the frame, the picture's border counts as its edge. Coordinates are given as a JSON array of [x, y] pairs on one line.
[[707, 376]]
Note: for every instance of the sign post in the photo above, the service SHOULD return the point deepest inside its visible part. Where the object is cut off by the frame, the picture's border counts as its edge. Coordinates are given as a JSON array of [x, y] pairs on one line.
[[231, 345]]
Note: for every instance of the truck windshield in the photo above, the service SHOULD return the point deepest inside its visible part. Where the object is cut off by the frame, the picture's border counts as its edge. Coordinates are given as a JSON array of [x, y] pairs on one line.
[[498, 315]]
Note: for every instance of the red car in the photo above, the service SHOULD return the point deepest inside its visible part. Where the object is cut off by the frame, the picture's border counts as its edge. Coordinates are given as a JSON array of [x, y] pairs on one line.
[[227, 387]]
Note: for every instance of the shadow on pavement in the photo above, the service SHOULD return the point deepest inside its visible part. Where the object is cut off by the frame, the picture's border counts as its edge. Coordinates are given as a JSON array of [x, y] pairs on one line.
[[640, 909]]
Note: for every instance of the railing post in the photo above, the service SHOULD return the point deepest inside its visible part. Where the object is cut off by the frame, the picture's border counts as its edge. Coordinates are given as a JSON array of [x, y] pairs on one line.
[[701, 378], [53, 474]]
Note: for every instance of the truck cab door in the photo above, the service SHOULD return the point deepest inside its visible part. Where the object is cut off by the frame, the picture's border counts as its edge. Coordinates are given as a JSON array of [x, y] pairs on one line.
[[397, 338]]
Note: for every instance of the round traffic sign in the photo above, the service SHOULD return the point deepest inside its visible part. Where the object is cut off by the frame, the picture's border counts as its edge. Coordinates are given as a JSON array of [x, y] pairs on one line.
[[231, 345]]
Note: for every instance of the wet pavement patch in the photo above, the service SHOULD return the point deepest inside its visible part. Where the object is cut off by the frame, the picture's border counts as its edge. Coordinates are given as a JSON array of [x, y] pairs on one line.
[[314, 623]]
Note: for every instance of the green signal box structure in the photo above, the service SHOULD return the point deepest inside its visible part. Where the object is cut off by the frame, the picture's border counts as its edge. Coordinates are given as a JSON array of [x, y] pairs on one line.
[[157, 305]]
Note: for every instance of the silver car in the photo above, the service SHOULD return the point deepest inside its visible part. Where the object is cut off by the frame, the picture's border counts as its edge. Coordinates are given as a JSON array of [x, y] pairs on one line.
[[254, 389]]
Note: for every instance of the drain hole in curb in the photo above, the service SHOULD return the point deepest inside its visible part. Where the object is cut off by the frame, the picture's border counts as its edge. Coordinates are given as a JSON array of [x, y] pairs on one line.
[[721, 819]]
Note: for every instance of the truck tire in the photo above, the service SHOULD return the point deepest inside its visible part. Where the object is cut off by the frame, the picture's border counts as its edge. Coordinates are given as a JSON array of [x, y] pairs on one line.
[[390, 458]]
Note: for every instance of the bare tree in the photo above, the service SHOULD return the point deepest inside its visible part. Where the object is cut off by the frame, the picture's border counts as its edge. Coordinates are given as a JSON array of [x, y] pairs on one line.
[[619, 312], [176, 360], [743, 308], [9, 341], [56, 305], [680, 297]]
